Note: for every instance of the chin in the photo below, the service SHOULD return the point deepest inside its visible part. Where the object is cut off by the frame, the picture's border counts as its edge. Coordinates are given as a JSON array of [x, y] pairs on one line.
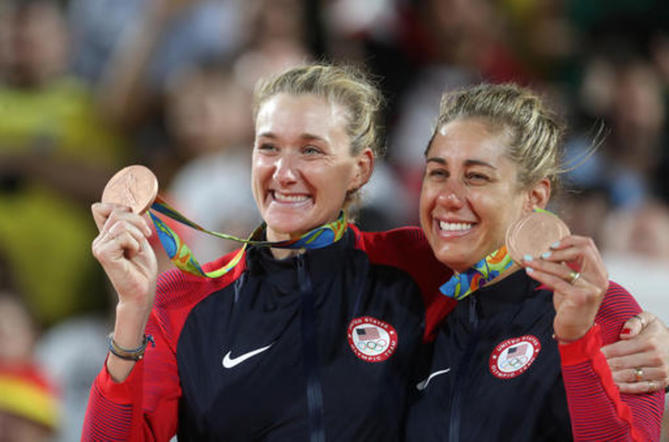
[[453, 260], [286, 228], [296, 224]]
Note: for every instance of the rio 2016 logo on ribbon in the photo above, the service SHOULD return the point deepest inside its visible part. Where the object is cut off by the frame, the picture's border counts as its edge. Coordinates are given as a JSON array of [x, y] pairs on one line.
[[514, 356], [371, 340]]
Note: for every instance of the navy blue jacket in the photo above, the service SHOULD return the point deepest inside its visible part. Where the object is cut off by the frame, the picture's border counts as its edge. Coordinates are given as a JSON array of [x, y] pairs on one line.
[[497, 374]]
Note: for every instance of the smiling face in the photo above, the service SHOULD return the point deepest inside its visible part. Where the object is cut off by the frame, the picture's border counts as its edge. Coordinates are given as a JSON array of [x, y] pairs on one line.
[[470, 192], [303, 167]]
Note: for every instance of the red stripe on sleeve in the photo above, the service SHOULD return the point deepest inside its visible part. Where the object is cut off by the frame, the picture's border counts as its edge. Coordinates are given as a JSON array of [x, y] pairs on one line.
[[597, 409]]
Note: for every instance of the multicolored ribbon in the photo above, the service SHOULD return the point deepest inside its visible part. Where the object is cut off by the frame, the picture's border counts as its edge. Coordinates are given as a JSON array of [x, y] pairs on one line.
[[462, 284], [182, 257]]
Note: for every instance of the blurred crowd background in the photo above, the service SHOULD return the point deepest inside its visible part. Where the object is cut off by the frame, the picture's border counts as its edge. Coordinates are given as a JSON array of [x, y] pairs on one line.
[[88, 86]]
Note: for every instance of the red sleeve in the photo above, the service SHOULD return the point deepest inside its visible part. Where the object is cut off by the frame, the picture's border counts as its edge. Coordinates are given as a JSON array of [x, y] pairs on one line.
[[140, 408], [597, 409], [144, 407]]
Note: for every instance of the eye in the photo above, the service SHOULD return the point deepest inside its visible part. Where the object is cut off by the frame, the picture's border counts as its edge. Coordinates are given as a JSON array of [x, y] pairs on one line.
[[437, 173], [311, 150], [477, 177], [267, 147]]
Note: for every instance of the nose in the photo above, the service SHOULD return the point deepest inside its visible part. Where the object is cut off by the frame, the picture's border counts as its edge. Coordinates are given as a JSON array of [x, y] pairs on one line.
[[285, 171], [452, 196]]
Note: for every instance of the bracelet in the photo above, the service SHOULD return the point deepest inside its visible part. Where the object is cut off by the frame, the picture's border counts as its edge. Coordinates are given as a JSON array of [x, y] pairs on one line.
[[134, 354]]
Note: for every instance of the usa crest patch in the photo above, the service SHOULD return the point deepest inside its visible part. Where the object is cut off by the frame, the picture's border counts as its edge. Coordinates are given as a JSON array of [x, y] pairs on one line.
[[513, 357], [371, 339]]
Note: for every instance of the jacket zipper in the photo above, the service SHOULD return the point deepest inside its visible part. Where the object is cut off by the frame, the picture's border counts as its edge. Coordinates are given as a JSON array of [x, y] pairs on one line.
[[310, 354], [462, 373]]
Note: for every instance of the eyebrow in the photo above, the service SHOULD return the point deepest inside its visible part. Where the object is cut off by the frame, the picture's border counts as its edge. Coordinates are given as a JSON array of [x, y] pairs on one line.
[[304, 136], [467, 162]]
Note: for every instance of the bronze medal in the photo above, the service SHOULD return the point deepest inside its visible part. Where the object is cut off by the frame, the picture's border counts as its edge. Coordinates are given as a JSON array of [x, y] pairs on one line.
[[533, 235], [133, 186]]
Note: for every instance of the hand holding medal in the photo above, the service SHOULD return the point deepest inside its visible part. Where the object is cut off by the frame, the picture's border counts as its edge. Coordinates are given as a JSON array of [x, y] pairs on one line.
[[569, 265], [122, 246]]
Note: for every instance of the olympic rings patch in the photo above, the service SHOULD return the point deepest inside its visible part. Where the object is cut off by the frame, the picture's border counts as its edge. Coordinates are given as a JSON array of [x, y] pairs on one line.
[[514, 356], [371, 340]]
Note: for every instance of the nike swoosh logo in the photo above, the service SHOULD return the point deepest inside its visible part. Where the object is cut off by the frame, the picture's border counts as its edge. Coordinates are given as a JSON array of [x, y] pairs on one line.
[[422, 385], [229, 362]]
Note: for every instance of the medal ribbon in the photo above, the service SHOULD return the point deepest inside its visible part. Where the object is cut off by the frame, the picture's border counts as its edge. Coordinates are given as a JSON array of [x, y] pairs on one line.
[[182, 257], [462, 284]]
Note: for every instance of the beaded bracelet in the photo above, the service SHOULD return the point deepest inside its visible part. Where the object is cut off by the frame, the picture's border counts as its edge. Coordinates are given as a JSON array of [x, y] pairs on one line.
[[134, 354]]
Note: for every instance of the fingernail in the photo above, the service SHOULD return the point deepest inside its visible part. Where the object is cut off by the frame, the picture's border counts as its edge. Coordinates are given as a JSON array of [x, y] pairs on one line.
[[546, 255], [529, 269], [527, 258], [626, 331], [555, 245]]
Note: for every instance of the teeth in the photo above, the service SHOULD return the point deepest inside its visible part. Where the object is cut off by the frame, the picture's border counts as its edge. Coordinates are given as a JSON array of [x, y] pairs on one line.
[[290, 198], [454, 227]]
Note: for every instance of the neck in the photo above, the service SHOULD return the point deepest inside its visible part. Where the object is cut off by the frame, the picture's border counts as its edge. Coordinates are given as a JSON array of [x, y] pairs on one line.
[[280, 253], [508, 272]]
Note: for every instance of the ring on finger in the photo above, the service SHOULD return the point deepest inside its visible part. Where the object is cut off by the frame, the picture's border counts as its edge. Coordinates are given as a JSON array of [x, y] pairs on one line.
[[573, 276], [638, 374], [650, 388]]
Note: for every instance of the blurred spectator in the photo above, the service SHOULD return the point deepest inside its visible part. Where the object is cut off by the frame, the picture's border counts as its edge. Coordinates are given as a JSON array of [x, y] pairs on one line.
[[640, 232], [544, 37], [71, 352], [29, 403], [279, 40], [635, 248], [160, 37], [55, 156], [627, 96], [190, 30], [17, 331]]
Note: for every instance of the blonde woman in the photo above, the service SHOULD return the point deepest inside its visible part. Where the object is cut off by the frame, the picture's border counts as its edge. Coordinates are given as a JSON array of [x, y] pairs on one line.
[[519, 358]]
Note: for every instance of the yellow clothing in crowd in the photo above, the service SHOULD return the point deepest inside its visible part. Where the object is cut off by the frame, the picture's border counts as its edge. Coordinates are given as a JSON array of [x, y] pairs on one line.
[[45, 234]]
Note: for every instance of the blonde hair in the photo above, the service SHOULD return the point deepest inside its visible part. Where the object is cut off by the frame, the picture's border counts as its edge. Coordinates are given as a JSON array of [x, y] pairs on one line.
[[535, 134], [344, 85]]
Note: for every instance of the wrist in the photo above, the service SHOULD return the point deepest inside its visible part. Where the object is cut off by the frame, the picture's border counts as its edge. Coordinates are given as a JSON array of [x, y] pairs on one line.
[[568, 338], [130, 324], [133, 311]]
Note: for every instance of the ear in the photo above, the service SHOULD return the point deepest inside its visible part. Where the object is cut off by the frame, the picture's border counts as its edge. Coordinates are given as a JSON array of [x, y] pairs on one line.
[[364, 166], [538, 195]]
